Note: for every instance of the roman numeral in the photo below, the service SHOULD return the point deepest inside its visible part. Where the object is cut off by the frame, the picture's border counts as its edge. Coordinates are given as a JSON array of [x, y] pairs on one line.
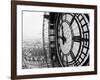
[[73, 57], [79, 39], [72, 20], [76, 38], [67, 61]]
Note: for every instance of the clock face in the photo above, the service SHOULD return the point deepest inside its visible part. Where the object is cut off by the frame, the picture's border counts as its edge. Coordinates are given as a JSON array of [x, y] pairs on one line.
[[72, 39]]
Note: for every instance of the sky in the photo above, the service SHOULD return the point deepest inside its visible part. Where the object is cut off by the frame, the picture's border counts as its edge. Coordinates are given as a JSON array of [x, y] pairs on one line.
[[32, 25]]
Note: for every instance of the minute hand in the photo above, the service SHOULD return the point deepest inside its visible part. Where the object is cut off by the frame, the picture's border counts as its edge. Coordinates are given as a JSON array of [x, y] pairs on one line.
[[63, 37]]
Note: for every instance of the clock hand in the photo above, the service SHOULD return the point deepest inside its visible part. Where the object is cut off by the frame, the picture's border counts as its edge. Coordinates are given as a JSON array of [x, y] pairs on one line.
[[63, 37]]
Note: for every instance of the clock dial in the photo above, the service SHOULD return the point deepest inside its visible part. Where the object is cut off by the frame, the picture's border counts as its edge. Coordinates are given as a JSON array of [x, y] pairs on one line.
[[72, 39], [65, 40]]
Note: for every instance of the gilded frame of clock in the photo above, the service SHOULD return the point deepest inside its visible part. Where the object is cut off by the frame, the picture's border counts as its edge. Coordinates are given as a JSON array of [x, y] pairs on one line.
[[72, 39]]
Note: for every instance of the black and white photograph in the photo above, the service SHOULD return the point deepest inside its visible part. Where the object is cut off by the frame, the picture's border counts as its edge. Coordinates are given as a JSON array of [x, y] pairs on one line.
[[53, 39]]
